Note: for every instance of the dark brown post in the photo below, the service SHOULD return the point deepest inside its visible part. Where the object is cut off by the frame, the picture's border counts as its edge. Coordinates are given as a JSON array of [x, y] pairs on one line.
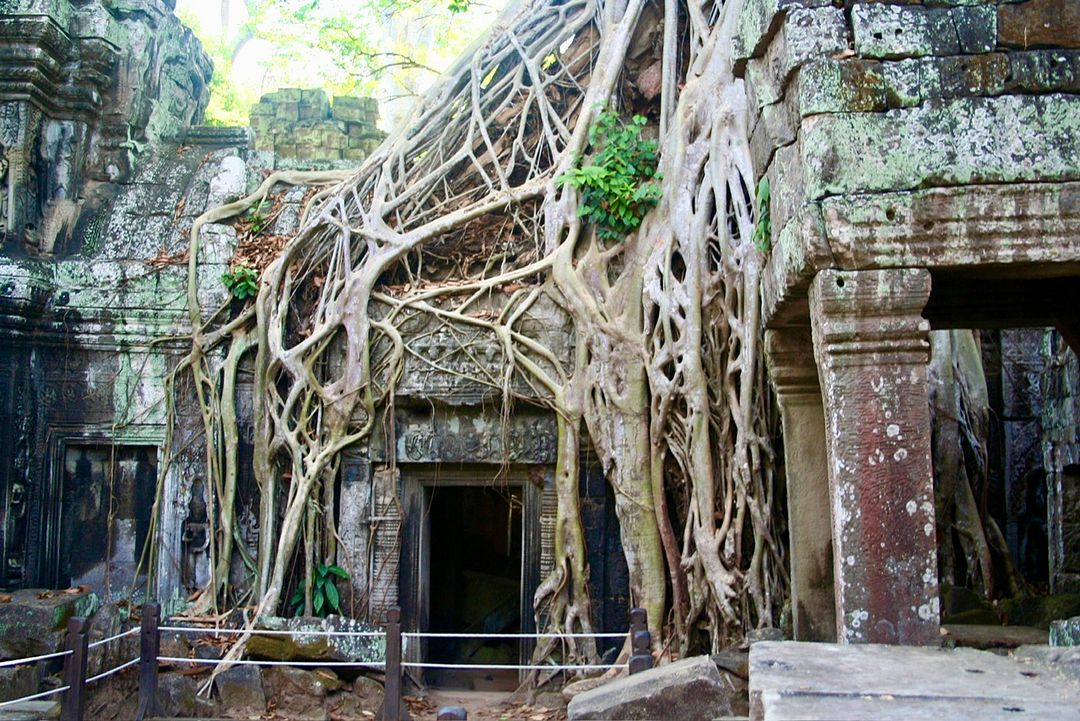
[[149, 648], [640, 642], [452, 713], [392, 695], [78, 640]]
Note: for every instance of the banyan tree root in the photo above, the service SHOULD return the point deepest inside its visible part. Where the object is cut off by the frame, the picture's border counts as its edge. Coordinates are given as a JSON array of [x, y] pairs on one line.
[[665, 377]]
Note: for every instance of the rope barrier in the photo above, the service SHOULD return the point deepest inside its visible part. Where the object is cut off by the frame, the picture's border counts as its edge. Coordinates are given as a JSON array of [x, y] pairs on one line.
[[512, 667], [117, 637], [268, 632], [110, 672], [29, 659], [418, 634], [43, 694], [252, 662]]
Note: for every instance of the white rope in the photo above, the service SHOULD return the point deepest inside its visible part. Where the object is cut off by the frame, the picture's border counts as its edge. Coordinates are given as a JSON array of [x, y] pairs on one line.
[[29, 659], [117, 637], [43, 694], [418, 634], [119, 668], [267, 632], [513, 667], [252, 662]]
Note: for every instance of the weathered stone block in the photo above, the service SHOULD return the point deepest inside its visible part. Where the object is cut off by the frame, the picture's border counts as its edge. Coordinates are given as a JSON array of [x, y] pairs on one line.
[[240, 689], [297, 694], [1039, 23], [19, 681], [950, 142], [179, 697], [759, 19], [310, 647], [31, 625], [687, 689], [284, 95], [898, 31], [831, 86], [806, 34], [872, 347]]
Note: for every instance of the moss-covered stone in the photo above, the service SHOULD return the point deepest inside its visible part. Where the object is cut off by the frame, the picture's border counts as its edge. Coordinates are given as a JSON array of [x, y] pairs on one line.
[[950, 142], [899, 31]]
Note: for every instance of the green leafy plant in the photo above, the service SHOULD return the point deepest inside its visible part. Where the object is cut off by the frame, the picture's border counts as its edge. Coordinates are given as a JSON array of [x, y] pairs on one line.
[[618, 186], [325, 597], [242, 282], [458, 6], [763, 225]]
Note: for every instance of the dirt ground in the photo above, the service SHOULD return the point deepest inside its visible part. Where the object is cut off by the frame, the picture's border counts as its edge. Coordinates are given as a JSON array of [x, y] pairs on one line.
[[482, 706]]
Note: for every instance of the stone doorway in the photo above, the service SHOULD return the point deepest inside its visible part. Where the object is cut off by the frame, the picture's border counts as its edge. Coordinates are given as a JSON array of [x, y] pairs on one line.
[[474, 579], [471, 562]]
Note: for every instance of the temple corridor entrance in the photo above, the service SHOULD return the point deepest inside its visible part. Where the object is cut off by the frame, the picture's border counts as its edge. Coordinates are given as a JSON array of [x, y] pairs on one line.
[[470, 564], [475, 578]]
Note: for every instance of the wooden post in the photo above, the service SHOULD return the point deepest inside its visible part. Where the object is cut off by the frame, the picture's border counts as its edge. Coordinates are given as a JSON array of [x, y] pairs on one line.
[[149, 649], [78, 640], [640, 642], [392, 694]]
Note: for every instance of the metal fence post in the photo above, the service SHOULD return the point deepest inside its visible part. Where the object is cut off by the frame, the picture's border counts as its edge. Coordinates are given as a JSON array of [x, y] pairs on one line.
[[149, 649], [392, 693], [640, 641], [78, 640]]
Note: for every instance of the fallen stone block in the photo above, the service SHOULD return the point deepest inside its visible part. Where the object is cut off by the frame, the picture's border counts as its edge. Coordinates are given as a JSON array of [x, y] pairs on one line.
[[687, 690]]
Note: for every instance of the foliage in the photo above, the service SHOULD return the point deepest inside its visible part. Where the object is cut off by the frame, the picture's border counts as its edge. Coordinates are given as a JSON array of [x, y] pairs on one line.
[[325, 597], [242, 281], [763, 225], [617, 187], [382, 48]]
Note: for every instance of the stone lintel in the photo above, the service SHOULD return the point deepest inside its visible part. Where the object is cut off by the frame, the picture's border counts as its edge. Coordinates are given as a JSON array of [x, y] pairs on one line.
[[1027, 224], [790, 356], [872, 347], [941, 143]]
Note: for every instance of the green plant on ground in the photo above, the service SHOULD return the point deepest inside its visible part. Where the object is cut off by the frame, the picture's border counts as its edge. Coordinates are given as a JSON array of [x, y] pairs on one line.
[[242, 282], [325, 597], [617, 187]]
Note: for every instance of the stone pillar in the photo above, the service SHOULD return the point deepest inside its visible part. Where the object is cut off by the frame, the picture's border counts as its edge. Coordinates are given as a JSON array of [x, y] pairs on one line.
[[872, 348], [790, 355]]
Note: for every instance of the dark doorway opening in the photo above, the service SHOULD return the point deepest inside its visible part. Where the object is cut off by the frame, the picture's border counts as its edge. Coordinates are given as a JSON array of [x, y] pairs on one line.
[[476, 582]]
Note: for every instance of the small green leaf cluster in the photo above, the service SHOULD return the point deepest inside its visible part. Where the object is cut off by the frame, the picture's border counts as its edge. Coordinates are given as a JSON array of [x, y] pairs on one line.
[[763, 224], [242, 282], [458, 6], [618, 187], [325, 597]]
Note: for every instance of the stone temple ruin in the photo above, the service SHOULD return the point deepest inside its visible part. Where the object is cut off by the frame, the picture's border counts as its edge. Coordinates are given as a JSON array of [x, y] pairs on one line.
[[924, 161]]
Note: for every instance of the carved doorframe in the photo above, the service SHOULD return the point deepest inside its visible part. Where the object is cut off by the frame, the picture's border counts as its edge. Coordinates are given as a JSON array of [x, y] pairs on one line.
[[536, 482]]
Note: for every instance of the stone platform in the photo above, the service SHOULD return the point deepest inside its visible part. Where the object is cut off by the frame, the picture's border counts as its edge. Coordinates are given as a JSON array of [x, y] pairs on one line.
[[818, 681]]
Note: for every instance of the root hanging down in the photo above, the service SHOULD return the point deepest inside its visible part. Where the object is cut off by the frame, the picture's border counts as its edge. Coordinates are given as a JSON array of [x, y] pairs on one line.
[[460, 220]]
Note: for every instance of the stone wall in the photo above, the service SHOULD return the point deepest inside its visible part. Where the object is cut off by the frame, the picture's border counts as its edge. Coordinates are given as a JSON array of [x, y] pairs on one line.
[[303, 125], [923, 164]]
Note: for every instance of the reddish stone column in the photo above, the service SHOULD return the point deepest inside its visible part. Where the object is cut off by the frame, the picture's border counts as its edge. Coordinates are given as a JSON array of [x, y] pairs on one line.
[[872, 348], [790, 355]]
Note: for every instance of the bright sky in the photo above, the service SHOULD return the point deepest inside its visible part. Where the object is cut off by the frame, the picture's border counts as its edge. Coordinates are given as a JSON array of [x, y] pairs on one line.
[[254, 74]]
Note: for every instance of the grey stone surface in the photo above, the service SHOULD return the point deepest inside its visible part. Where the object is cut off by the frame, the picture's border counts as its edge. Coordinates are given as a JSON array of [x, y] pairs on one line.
[[311, 647], [809, 682], [30, 625], [240, 690], [688, 690], [297, 694]]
